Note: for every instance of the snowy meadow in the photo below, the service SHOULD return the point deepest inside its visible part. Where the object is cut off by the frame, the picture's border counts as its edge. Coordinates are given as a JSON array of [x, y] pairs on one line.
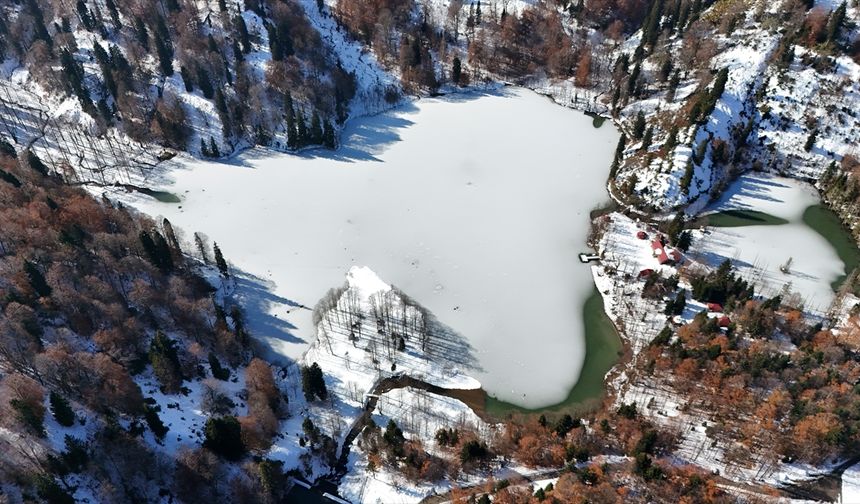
[[474, 205]]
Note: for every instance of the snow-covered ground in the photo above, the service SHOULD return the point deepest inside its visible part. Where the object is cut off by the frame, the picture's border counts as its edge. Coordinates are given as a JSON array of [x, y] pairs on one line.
[[463, 203], [758, 251], [420, 414]]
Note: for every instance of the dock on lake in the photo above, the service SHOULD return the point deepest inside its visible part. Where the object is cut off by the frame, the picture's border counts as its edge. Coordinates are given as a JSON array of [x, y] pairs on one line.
[[586, 257]]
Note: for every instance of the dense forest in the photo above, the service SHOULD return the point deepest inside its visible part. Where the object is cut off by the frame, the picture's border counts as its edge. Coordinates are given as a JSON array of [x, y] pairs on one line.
[[225, 76], [95, 300]]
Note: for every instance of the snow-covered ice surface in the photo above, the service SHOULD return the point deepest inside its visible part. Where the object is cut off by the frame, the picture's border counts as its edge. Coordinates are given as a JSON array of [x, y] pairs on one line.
[[758, 251], [777, 196], [850, 485], [474, 205]]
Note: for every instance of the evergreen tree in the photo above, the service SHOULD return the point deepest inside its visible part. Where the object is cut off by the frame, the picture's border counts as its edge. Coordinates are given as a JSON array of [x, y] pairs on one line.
[[619, 156], [316, 132], [205, 83], [61, 410], [676, 306], [639, 125], [150, 414], [244, 37], [633, 79], [164, 47], [456, 71], [301, 129], [834, 25], [810, 140], [213, 148], [51, 492], [218, 371], [664, 336], [221, 106], [40, 31], [7, 149], [35, 163], [186, 78], [141, 33], [164, 358], [204, 149], [224, 437], [646, 140], [219, 260], [313, 384], [84, 15], [37, 280], [328, 136], [672, 140], [9, 178]]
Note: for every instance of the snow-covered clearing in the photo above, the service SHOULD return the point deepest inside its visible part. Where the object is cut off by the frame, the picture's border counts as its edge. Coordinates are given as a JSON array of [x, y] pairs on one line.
[[758, 251], [475, 205], [420, 414]]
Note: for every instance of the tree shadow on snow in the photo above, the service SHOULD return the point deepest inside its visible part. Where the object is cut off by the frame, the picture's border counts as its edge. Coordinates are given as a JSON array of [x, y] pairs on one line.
[[256, 297], [450, 346]]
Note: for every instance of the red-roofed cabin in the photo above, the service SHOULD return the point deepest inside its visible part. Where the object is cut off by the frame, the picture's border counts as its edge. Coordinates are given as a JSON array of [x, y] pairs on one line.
[[659, 251], [642, 235], [675, 255], [646, 273], [715, 307], [724, 321]]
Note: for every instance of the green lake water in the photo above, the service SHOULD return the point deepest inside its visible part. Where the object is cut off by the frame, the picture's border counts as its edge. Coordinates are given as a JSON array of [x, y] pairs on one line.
[[603, 347], [826, 223], [819, 218]]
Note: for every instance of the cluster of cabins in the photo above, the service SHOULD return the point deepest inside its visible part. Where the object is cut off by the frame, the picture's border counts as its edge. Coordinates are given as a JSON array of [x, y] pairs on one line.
[[670, 256]]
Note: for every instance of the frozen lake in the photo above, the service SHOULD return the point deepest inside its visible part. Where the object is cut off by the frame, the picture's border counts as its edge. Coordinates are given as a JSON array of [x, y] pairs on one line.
[[758, 251], [476, 206]]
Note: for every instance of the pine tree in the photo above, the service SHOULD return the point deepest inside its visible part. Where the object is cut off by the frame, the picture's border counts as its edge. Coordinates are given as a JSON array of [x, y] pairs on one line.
[[213, 147], [687, 178], [244, 37], [61, 410], [672, 140], [165, 257], [40, 31], [646, 140], [141, 33], [639, 125], [456, 70], [224, 437], [84, 15], [218, 371], [834, 26], [164, 358], [186, 78], [619, 156], [219, 261], [35, 163], [37, 280], [328, 136], [301, 129], [205, 83], [204, 149], [150, 414], [316, 132], [313, 384], [164, 47], [810, 140]]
